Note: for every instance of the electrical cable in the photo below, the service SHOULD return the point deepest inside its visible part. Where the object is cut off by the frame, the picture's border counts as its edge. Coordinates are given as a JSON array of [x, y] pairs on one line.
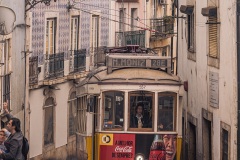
[[137, 19], [102, 17]]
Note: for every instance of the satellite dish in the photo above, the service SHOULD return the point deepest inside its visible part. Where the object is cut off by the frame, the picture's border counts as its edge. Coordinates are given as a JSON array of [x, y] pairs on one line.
[[7, 19]]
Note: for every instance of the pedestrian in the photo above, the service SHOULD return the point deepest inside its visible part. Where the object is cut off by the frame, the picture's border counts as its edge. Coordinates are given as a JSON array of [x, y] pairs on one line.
[[15, 140], [2, 140]]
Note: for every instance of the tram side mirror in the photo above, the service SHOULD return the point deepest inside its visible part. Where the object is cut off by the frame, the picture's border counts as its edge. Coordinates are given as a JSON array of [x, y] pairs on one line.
[[91, 102]]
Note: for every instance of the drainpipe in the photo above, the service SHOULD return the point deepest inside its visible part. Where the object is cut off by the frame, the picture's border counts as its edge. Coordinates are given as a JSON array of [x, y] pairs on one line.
[[238, 79], [177, 38], [172, 67]]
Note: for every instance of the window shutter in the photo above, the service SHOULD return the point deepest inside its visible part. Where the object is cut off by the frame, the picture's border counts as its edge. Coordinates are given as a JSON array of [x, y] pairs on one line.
[[213, 37]]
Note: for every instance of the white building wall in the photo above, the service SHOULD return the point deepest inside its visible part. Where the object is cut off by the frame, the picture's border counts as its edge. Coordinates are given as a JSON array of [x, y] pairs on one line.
[[61, 114], [36, 122], [197, 74]]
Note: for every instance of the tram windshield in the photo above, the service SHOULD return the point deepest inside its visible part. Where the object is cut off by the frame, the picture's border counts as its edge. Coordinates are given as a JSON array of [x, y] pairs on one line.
[[141, 113], [113, 110], [166, 114]]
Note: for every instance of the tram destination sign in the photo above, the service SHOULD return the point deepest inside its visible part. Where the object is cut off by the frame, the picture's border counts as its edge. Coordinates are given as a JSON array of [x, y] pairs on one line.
[[141, 62]]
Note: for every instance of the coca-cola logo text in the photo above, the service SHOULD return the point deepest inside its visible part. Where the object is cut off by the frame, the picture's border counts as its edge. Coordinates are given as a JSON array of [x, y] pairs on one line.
[[123, 149]]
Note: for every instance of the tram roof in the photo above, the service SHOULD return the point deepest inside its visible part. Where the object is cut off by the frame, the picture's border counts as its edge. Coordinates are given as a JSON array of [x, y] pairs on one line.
[[130, 75]]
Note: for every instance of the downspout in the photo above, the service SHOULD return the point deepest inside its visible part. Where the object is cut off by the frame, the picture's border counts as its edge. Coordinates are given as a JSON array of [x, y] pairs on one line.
[[177, 38], [238, 79], [25, 78], [172, 39]]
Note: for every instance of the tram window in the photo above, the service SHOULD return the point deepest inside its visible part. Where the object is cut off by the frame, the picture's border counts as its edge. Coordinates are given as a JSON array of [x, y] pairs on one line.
[[141, 109], [166, 108], [113, 110]]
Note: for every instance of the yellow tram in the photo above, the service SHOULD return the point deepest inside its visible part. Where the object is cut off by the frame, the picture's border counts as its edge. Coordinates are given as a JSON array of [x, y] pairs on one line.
[[133, 107]]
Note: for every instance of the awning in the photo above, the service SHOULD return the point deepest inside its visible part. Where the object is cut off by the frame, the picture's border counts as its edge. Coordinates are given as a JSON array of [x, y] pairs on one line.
[[187, 9], [209, 11]]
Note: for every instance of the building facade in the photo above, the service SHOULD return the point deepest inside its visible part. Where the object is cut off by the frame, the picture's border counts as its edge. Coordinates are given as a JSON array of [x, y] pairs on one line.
[[207, 65], [12, 57], [63, 38]]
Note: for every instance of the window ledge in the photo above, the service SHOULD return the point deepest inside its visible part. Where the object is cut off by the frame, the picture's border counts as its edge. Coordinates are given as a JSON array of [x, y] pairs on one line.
[[213, 62], [191, 55], [48, 147]]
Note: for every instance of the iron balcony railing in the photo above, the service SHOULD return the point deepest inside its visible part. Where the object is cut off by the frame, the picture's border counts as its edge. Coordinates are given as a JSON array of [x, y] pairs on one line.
[[78, 61], [130, 38], [33, 70], [100, 56], [161, 27], [54, 65]]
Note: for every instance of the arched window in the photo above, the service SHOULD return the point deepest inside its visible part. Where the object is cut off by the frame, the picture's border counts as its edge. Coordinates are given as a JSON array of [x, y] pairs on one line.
[[49, 121]]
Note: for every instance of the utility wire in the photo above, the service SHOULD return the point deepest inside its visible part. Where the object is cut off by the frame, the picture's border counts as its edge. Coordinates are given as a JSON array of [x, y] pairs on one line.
[[117, 11], [89, 12]]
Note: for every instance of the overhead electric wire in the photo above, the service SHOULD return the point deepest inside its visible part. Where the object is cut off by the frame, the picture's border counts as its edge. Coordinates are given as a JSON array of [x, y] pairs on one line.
[[114, 10], [89, 12]]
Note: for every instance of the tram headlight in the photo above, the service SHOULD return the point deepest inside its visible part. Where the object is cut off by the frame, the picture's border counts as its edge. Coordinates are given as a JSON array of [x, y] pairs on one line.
[[139, 156]]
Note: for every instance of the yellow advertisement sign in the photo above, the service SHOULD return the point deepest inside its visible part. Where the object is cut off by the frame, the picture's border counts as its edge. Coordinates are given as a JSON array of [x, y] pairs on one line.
[[106, 139]]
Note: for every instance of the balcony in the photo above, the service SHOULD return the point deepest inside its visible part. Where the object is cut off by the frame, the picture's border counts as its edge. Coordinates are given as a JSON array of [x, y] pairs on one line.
[[54, 65], [162, 28], [33, 70], [78, 61], [100, 56], [130, 38]]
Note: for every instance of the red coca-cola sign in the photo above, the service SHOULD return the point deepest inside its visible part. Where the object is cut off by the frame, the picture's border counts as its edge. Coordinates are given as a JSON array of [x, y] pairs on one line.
[[121, 147]]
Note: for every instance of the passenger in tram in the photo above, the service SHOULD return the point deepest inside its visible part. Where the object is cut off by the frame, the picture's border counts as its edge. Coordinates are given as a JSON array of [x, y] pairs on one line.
[[138, 120]]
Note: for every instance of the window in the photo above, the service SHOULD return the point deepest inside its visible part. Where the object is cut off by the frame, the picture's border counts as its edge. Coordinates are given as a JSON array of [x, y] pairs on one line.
[[81, 114], [50, 41], [121, 20], [7, 68], [74, 32], [113, 110], [225, 141], [213, 37], [133, 18], [141, 110], [154, 8], [6, 89], [72, 114], [49, 121], [191, 28], [166, 111], [95, 31]]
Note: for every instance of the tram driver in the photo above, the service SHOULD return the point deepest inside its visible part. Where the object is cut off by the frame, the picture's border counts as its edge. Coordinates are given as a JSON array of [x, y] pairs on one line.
[[138, 120]]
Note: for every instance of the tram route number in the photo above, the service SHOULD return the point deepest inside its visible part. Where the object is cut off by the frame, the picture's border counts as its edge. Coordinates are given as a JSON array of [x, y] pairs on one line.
[[159, 63]]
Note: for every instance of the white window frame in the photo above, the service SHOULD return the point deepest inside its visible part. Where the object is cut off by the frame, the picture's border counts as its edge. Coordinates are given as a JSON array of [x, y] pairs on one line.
[[134, 15], [52, 15], [93, 44]]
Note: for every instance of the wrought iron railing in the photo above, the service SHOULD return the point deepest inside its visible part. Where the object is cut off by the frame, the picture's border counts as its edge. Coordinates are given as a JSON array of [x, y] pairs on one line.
[[161, 27], [33, 70], [130, 38], [54, 65], [78, 60], [100, 56]]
